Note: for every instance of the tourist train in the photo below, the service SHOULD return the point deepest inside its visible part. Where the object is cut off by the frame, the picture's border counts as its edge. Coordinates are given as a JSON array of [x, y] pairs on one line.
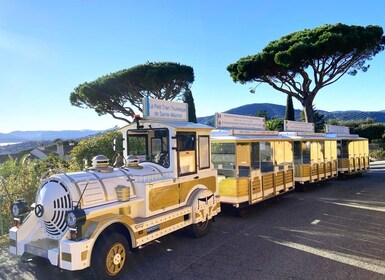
[[172, 174]]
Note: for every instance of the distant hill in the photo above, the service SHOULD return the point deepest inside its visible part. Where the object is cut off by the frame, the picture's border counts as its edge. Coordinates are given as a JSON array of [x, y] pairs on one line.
[[278, 111], [24, 136]]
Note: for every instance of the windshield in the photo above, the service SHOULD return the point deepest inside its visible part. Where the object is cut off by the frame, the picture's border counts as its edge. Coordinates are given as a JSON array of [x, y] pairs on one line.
[[149, 145]]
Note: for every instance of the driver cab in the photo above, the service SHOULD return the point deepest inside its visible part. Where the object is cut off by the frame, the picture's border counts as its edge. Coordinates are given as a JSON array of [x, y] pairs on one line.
[[180, 147]]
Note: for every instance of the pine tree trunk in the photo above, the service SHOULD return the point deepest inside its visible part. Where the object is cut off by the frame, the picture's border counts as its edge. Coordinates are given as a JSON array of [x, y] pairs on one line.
[[309, 113]]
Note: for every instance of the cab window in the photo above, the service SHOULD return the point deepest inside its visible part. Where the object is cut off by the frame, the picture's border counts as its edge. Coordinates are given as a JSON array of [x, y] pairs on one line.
[[149, 145]]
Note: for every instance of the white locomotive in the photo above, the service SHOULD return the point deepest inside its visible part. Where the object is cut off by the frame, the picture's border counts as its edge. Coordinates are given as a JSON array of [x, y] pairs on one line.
[[93, 218]]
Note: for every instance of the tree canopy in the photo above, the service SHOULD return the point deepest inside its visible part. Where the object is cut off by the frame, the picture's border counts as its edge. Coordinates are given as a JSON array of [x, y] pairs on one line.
[[303, 62], [120, 94]]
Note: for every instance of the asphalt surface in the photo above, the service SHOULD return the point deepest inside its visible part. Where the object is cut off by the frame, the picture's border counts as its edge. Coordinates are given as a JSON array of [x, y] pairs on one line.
[[334, 230]]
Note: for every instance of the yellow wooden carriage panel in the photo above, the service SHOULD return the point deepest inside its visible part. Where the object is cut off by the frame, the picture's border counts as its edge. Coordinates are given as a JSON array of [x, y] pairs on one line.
[[289, 176], [351, 164], [357, 163], [228, 187], [328, 168], [279, 178], [362, 162], [333, 165], [343, 163], [302, 170], [256, 184], [268, 181], [243, 186], [314, 169], [321, 168], [234, 187]]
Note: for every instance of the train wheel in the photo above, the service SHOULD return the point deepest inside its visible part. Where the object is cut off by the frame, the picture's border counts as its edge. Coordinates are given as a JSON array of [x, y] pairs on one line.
[[109, 256], [200, 229]]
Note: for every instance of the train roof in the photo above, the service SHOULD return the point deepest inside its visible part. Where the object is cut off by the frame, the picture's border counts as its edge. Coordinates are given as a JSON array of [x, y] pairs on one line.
[[172, 124], [304, 135], [234, 135], [338, 136]]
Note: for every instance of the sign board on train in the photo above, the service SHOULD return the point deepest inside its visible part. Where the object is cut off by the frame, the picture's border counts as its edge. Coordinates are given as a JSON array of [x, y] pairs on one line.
[[293, 126], [156, 109], [337, 129], [231, 121]]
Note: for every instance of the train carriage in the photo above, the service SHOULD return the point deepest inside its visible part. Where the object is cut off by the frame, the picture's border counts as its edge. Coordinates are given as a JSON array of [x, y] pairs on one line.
[[315, 155], [352, 150], [252, 165]]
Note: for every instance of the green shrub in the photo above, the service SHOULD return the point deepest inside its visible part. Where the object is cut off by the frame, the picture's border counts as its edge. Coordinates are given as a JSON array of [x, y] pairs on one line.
[[275, 124], [377, 154], [98, 145], [370, 131]]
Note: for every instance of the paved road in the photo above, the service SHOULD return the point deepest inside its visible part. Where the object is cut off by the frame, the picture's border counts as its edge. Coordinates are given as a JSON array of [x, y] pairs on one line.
[[333, 231]]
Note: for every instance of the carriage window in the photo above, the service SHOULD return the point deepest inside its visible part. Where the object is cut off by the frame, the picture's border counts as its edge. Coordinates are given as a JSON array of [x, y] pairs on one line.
[[223, 158], [255, 164], [266, 153], [297, 152], [186, 142], [204, 152], [306, 152], [343, 149]]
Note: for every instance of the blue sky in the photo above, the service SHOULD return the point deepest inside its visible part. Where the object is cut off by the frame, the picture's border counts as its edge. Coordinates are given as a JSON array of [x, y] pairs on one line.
[[47, 48]]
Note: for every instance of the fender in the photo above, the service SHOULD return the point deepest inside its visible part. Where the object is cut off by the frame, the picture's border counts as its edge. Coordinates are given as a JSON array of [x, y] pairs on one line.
[[204, 205]]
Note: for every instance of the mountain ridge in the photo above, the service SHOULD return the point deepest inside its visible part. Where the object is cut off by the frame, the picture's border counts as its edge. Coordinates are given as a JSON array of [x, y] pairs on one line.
[[41, 135], [278, 111]]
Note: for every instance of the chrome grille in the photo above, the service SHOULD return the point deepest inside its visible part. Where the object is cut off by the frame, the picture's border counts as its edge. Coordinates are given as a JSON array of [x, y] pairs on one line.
[[56, 225]]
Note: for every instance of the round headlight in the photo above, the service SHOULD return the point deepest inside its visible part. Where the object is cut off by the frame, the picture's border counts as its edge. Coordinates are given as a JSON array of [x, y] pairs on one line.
[[71, 219], [19, 208], [15, 210]]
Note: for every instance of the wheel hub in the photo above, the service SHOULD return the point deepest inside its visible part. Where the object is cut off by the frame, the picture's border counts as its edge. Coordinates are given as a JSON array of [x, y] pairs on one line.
[[117, 259]]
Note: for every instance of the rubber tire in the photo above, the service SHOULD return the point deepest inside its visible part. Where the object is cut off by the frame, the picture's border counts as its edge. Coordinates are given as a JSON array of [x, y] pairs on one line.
[[100, 252], [200, 229]]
